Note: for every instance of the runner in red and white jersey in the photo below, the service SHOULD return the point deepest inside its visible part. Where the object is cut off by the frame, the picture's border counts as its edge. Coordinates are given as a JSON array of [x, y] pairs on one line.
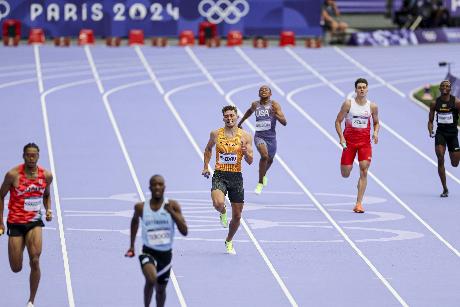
[[29, 187], [358, 113], [26, 199]]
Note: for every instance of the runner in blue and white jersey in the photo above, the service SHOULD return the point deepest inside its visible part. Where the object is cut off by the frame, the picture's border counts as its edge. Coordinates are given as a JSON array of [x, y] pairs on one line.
[[267, 112], [159, 216]]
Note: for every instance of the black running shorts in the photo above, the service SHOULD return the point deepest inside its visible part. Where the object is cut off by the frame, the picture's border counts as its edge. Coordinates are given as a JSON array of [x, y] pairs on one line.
[[20, 230], [449, 139], [231, 182], [160, 259]]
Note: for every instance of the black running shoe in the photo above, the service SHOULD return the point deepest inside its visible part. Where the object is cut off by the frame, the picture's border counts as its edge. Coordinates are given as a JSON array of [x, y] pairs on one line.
[[445, 193]]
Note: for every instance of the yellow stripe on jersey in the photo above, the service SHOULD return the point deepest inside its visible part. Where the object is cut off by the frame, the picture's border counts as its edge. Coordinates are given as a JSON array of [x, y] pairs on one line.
[[228, 151]]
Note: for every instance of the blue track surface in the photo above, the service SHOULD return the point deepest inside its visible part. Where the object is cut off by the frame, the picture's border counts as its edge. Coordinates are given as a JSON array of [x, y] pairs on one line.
[[114, 117]]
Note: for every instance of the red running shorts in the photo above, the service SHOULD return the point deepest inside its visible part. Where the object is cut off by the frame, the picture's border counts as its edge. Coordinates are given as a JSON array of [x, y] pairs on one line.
[[348, 154]]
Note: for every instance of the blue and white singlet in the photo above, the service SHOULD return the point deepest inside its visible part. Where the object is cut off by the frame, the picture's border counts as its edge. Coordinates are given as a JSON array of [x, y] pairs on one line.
[[157, 227], [265, 120]]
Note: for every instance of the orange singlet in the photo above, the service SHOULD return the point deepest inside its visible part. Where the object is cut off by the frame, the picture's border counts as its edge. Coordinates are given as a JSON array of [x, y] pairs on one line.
[[27, 199], [228, 151]]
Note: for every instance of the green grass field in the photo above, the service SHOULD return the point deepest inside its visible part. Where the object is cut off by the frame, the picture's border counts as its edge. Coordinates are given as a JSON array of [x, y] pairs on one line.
[[434, 90]]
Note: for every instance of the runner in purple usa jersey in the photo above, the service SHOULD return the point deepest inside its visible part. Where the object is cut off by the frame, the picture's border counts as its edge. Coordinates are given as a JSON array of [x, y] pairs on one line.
[[267, 113]]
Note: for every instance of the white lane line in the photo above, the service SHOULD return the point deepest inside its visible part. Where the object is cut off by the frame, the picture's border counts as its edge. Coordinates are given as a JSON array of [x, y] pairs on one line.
[[204, 70], [94, 70], [314, 71], [323, 210], [379, 182], [19, 82], [382, 123], [259, 71], [65, 257], [126, 154], [146, 65], [120, 137], [198, 151], [369, 72], [38, 69]]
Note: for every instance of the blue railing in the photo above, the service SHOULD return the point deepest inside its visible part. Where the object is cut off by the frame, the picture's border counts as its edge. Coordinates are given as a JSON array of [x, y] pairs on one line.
[[366, 6]]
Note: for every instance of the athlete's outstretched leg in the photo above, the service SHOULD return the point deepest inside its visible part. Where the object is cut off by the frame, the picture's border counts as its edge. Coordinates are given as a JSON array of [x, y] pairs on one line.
[[237, 209], [346, 161], [16, 247], [33, 242], [160, 295], [150, 274], [218, 200], [345, 170], [269, 164], [440, 151], [263, 162], [271, 149], [362, 184]]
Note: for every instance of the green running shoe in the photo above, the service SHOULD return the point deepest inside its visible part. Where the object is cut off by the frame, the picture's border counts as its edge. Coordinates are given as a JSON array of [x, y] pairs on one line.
[[223, 219], [230, 249], [265, 181], [259, 188]]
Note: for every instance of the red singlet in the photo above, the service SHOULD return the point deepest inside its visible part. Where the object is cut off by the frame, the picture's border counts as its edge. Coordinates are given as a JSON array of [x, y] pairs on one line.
[[27, 199]]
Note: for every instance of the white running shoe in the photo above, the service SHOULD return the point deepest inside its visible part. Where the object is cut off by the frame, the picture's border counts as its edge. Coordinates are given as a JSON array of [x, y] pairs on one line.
[[230, 249], [259, 188], [29, 304]]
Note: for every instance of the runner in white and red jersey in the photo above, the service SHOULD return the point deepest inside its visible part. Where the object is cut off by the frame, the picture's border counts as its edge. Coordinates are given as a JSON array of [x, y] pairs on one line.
[[357, 112], [29, 188]]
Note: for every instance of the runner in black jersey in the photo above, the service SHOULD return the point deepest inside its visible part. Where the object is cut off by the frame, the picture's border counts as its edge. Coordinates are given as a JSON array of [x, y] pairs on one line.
[[446, 107]]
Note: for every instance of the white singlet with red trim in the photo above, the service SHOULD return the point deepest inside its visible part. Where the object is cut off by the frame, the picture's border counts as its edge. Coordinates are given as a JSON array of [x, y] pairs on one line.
[[358, 123]]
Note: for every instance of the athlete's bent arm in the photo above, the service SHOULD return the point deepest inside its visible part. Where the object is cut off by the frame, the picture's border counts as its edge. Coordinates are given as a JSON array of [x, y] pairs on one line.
[[247, 147], [134, 227], [344, 109], [248, 113], [7, 183], [208, 153], [47, 198], [376, 123], [279, 113], [431, 118], [173, 208], [457, 103]]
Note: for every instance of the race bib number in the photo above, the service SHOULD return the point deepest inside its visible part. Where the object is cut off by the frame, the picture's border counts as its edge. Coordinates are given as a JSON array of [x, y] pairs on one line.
[[159, 237], [33, 204], [445, 118], [227, 158], [263, 125], [359, 122]]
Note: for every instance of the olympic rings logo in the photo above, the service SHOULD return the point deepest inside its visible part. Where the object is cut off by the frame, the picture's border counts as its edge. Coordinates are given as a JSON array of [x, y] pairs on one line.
[[4, 9], [223, 10]]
